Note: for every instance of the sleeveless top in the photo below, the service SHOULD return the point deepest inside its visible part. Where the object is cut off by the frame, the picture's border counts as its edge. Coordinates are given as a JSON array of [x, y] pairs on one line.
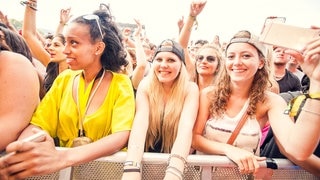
[[220, 130]]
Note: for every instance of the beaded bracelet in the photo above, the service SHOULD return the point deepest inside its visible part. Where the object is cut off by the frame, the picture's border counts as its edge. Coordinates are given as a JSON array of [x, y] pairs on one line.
[[179, 157], [31, 4], [174, 171]]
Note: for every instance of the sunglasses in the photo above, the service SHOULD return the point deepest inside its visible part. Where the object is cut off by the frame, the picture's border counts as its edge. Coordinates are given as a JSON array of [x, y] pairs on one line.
[[210, 59], [94, 17]]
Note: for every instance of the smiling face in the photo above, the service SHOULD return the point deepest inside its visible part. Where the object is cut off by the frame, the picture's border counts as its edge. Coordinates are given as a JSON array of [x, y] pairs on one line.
[[242, 62], [167, 66], [207, 61]]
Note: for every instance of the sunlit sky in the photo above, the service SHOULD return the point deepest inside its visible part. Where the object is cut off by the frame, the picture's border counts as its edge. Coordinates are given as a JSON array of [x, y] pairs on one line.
[[223, 17]]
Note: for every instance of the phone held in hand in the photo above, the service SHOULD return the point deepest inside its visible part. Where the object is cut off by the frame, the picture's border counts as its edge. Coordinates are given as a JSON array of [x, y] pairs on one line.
[[288, 36], [273, 19], [38, 137]]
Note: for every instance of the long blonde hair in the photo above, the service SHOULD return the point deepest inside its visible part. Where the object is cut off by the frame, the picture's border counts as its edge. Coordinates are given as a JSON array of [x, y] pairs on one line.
[[164, 117]]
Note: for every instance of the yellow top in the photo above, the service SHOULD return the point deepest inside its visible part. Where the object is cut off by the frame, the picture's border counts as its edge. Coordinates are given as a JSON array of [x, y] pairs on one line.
[[58, 112]]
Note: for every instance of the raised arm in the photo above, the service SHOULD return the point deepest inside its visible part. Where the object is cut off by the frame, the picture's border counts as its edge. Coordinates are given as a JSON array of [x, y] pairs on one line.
[[64, 18], [29, 33], [139, 71], [4, 19], [196, 8], [304, 136]]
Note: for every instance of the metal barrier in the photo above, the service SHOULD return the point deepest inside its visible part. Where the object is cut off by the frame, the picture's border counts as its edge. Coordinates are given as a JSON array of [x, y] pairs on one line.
[[200, 167]]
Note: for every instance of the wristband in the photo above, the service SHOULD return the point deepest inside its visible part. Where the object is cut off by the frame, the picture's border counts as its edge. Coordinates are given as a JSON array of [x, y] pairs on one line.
[[132, 163], [294, 105]]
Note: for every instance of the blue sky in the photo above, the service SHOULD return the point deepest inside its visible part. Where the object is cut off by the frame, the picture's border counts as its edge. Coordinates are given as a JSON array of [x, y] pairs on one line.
[[221, 17]]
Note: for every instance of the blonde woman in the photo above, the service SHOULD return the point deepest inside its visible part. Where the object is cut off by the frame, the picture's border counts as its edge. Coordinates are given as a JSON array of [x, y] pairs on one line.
[[166, 108]]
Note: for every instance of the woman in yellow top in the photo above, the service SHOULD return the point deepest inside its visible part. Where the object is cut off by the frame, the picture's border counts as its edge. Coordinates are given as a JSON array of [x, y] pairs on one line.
[[93, 103]]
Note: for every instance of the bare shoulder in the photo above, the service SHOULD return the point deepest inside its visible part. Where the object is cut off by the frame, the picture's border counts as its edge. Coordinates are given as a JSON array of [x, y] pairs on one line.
[[193, 87], [207, 90], [271, 96], [16, 70], [142, 85], [274, 100], [17, 61]]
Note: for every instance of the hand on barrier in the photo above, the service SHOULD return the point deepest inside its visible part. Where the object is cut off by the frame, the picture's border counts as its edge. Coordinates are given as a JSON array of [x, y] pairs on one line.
[[246, 160], [27, 156]]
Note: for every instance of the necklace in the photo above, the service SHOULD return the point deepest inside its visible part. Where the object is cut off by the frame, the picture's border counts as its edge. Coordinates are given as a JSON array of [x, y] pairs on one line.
[[81, 118], [278, 77]]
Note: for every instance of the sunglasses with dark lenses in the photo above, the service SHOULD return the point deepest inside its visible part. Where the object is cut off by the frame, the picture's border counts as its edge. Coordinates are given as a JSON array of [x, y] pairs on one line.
[[210, 59]]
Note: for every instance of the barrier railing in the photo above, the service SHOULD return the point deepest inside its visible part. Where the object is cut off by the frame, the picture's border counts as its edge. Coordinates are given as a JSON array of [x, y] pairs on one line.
[[200, 167]]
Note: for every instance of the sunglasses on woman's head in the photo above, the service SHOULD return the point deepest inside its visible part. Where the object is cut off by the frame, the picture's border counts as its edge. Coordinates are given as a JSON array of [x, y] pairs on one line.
[[210, 59], [94, 17]]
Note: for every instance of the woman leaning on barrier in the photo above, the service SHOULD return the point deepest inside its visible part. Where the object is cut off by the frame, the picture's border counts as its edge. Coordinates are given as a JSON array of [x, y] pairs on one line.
[[242, 89], [166, 108], [84, 108]]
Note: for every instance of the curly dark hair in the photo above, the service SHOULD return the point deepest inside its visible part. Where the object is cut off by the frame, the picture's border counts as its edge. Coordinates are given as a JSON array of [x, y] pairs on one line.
[[114, 55]]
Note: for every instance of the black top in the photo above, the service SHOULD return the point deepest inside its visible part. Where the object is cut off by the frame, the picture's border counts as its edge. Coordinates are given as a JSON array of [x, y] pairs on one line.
[[52, 72], [289, 82]]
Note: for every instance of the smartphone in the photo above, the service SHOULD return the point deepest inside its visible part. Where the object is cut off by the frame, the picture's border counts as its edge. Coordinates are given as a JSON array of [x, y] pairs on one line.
[[273, 19], [38, 137], [288, 36]]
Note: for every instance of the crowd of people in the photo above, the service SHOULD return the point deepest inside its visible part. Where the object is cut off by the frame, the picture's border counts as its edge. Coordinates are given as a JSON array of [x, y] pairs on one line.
[[242, 99]]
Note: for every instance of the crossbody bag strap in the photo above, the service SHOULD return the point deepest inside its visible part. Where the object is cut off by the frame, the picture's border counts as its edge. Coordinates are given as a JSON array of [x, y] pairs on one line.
[[238, 128]]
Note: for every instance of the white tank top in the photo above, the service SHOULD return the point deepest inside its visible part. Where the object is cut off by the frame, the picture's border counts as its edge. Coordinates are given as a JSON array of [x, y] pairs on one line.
[[220, 130]]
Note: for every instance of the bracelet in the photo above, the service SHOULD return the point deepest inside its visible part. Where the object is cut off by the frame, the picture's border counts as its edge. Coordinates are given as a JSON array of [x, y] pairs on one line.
[[195, 23], [294, 105], [60, 22], [174, 171], [132, 163], [193, 17], [179, 157], [312, 112], [31, 4], [131, 170]]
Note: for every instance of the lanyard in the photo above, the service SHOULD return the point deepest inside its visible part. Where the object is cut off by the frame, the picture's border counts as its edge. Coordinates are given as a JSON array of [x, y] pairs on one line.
[[82, 117]]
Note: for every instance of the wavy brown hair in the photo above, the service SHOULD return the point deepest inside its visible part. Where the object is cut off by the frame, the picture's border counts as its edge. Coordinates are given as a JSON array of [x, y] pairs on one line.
[[220, 94], [164, 117]]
